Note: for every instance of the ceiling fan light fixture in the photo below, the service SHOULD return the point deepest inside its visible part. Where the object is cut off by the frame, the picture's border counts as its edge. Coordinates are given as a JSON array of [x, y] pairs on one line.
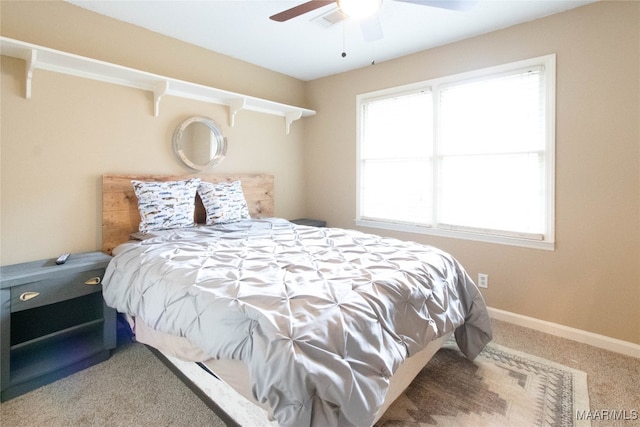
[[359, 8]]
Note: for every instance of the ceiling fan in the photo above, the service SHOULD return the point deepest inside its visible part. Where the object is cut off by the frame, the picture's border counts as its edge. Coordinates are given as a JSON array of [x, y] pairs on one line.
[[366, 11]]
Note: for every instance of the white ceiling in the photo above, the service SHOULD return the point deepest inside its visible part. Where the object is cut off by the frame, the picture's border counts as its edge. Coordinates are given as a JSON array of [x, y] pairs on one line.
[[305, 49]]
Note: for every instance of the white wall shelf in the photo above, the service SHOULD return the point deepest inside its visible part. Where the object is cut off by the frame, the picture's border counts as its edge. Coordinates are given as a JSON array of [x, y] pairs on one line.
[[39, 57]]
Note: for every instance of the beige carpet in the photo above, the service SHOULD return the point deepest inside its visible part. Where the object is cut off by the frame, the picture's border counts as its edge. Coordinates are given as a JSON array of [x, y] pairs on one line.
[[133, 388]]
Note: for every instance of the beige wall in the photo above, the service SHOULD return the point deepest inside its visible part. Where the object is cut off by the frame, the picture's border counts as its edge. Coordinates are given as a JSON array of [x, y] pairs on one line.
[[56, 145], [592, 280]]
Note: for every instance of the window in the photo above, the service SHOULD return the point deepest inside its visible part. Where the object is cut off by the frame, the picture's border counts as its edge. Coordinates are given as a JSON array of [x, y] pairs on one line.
[[467, 156]]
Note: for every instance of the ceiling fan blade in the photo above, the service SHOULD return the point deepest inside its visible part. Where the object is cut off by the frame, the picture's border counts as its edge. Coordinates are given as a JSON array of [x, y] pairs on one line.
[[371, 28], [445, 4], [299, 10]]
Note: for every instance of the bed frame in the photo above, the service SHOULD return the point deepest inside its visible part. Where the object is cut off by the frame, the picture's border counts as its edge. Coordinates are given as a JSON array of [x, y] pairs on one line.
[[120, 215]]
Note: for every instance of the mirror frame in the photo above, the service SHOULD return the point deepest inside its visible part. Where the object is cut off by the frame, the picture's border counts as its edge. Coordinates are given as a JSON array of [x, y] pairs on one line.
[[219, 140]]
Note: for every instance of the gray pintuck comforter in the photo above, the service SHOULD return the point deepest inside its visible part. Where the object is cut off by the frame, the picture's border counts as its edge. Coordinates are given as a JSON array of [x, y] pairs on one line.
[[321, 316]]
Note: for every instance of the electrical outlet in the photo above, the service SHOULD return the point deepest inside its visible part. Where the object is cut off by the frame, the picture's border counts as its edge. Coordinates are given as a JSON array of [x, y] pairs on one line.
[[483, 280]]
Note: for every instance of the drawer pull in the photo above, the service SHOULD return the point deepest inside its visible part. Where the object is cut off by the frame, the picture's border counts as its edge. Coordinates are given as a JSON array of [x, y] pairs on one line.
[[26, 296], [93, 281]]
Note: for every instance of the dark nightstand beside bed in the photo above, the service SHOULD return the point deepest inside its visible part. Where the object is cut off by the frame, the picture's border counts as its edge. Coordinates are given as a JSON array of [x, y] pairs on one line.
[[308, 221], [53, 321]]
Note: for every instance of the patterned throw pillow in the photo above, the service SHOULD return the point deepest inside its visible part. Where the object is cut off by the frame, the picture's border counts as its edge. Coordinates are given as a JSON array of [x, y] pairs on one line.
[[224, 202], [165, 205]]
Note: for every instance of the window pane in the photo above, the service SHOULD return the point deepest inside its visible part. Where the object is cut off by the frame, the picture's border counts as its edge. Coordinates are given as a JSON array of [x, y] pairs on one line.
[[399, 127], [500, 192], [491, 143], [397, 190], [396, 172], [498, 115]]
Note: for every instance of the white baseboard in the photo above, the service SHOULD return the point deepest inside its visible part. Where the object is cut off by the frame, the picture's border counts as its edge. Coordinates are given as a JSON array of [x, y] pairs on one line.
[[584, 337]]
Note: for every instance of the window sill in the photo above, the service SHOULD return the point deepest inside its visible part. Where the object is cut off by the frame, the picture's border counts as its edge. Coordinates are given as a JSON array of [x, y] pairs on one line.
[[457, 234]]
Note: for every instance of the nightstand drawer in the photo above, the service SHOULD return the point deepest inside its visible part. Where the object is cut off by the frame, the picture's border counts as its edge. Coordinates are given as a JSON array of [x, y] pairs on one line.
[[54, 289]]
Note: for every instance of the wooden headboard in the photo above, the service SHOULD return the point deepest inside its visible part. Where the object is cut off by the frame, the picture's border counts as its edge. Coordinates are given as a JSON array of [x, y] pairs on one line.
[[120, 215]]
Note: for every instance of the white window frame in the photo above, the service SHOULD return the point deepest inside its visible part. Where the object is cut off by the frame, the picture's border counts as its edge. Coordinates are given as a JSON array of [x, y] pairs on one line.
[[545, 241]]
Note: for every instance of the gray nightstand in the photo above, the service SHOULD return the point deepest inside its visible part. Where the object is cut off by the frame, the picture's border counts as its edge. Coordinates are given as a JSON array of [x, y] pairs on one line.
[[53, 321], [308, 221]]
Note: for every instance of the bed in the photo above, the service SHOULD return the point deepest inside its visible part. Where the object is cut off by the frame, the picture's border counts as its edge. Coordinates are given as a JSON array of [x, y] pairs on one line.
[[276, 323]]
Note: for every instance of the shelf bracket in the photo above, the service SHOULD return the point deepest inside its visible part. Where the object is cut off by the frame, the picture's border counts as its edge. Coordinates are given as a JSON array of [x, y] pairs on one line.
[[159, 91], [235, 105], [290, 118], [30, 66]]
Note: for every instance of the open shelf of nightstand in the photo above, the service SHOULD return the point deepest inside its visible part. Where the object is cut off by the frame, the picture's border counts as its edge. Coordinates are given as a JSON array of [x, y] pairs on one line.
[[40, 358]]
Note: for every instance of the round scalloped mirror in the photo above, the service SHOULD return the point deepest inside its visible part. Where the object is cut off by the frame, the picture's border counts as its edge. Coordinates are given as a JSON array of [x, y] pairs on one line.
[[199, 144]]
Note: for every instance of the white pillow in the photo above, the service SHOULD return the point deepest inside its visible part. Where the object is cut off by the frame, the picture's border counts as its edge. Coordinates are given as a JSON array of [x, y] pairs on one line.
[[224, 202], [166, 204]]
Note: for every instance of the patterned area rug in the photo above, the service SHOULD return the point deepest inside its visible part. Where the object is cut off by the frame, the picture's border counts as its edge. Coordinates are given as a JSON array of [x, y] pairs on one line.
[[502, 387]]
